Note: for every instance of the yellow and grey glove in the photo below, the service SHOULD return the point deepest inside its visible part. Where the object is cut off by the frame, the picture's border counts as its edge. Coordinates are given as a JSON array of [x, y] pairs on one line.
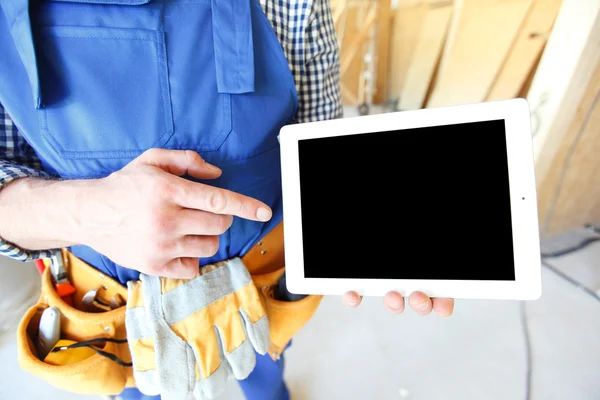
[[187, 337]]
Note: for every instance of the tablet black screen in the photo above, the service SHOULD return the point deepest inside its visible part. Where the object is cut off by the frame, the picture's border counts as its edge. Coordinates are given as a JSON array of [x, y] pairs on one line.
[[424, 203]]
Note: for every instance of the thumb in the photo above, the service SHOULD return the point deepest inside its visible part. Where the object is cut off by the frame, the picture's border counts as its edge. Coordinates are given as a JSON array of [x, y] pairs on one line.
[[179, 162], [181, 268]]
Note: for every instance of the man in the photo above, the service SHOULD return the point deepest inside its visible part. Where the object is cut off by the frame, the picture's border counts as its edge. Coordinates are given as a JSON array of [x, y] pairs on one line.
[[142, 135]]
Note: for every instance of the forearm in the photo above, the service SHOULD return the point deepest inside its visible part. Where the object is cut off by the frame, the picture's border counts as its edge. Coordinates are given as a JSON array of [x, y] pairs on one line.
[[39, 214]]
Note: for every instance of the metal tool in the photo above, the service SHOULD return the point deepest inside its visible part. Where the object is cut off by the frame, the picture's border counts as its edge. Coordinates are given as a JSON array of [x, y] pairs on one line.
[[63, 286], [48, 331], [91, 303]]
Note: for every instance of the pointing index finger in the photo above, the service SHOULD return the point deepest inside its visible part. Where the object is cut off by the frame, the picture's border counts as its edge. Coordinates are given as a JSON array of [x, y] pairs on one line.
[[222, 201]]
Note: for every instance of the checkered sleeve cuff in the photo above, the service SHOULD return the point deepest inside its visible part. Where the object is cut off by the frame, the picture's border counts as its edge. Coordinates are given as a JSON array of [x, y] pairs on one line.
[[8, 173]]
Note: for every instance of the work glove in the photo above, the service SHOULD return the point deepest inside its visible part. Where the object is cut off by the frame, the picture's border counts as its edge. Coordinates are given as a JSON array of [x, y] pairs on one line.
[[188, 337]]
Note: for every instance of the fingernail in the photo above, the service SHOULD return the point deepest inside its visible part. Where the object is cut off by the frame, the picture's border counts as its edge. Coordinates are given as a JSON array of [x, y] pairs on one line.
[[422, 306], [263, 214], [213, 167], [351, 300], [394, 304]]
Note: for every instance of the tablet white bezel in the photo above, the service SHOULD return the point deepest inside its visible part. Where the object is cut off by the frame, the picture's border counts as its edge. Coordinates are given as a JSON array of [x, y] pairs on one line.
[[515, 112]]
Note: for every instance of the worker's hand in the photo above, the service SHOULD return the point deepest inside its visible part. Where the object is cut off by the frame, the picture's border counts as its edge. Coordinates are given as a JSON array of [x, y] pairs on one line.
[[148, 218], [420, 303]]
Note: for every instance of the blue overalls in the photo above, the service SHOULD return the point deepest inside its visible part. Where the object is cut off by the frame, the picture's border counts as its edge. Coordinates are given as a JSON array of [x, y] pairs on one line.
[[91, 84]]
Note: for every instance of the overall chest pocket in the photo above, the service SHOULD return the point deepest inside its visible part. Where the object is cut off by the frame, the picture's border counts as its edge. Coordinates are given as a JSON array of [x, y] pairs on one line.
[[106, 90], [118, 79]]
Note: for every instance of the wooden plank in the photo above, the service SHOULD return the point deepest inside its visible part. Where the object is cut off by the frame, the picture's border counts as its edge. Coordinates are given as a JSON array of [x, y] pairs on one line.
[[527, 84], [450, 36], [526, 51], [406, 28], [569, 194], [425, 57], [354, 47], [350, 79], [563, 110], [339, 10], [384, 18], [561, 78], [483, 35]]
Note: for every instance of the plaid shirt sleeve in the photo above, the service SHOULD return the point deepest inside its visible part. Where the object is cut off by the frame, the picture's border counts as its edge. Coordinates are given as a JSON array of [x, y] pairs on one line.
[[17, 160], [307, 34], [318, 77]]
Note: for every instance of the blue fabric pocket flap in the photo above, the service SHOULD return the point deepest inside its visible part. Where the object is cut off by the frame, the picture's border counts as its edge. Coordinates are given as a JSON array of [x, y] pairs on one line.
[[111, 2]]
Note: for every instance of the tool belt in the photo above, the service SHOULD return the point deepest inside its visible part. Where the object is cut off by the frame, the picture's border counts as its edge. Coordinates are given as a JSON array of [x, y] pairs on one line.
[[107, 369]]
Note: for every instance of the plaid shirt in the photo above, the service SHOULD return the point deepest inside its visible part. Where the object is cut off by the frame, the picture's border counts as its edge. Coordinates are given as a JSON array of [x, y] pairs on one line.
[[307, 34]]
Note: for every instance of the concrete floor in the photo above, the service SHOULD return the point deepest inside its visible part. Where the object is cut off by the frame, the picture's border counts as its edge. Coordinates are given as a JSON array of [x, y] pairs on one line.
[[478, 353]]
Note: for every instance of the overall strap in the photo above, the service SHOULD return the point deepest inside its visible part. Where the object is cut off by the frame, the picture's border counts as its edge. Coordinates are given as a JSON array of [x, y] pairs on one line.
[[17, 13], [233, 42]]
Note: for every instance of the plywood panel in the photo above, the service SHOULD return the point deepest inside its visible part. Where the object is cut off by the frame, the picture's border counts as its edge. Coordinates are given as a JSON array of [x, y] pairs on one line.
[[350, 78], [569, 194], [566, 67], [384, 19], [425, 57], [483, 34], [526, 51], [406, 28]]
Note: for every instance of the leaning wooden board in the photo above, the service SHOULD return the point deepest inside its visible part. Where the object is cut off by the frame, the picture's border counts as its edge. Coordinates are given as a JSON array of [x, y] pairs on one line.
[[524, 54], [353, 65], [561, 98], [569, 194], [425, 56], [382, 52], [482, 34], [406, 28]]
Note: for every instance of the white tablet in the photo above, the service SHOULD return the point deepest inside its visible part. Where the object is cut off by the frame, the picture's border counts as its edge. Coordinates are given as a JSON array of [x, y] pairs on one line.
[[439, 200]]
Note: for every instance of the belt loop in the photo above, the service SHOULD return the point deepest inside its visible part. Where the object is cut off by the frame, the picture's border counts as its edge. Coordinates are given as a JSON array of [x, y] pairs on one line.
[[233, 43], [19, 20]]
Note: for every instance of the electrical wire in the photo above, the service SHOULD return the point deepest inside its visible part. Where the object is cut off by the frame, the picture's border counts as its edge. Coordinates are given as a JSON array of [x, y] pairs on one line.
[[572, 281], [523, 312], [528, 357], [573, 249], [584, 243]]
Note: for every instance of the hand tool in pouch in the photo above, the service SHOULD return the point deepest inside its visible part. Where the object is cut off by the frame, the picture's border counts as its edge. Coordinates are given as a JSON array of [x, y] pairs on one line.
[[63, 286], [49, 331]]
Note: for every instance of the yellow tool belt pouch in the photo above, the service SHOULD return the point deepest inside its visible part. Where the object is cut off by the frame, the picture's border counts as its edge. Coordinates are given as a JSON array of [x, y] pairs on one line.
[[104, 367], [266, 264], [107, 370]]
